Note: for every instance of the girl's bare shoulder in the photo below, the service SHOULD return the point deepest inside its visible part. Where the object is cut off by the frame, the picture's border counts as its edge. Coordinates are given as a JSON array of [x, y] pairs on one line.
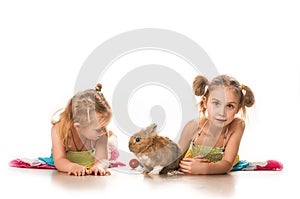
[[191, 126], [237, 125], [239, 122], [55, 128]]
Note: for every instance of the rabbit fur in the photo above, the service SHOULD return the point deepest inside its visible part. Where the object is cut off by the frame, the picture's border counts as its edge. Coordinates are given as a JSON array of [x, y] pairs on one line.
[[157, 154]]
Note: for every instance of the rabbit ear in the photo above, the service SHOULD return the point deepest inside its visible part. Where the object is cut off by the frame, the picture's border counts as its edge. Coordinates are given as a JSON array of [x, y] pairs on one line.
[[150, 129]]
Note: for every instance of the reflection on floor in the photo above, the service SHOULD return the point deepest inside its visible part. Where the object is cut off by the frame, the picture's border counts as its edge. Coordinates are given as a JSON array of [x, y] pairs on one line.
[[126, 182]]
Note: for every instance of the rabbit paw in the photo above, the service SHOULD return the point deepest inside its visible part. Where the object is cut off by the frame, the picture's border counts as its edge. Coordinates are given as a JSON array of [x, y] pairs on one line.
[[144, 171], [156, 170], [175, 172]]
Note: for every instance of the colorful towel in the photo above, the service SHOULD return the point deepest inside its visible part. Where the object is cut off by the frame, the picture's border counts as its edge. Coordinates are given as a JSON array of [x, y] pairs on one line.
[[30, 163], [40, 164], [269, 165], [48, 162]]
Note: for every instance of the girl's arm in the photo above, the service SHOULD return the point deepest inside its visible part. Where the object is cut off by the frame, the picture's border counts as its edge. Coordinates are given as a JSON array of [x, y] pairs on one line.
[[60, 157], [101, 157], [201, 166], [187, 135]]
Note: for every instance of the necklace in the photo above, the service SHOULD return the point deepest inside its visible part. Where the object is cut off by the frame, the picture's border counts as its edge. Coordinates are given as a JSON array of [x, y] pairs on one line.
[[75, 142]]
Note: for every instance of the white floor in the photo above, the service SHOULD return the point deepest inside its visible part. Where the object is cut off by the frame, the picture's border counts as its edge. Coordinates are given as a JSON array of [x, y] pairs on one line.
[[127, 183]]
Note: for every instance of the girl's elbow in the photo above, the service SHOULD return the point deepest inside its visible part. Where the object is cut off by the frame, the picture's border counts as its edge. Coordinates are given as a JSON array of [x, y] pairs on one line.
[[227, 167]]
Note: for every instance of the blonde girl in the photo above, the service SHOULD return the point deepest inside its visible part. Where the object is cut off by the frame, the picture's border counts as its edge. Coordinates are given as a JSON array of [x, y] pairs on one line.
[[80, 137], [212, 142]]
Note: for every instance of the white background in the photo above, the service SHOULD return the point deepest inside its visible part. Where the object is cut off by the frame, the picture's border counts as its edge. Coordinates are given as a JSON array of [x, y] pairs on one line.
[[44, 44]]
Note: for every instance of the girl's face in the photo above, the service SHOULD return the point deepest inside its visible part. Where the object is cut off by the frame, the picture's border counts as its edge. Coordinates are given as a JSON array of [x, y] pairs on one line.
[[222, 105], [95, 129]]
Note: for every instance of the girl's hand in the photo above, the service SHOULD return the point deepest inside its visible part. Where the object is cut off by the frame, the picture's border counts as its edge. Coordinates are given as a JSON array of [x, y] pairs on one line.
[[192, 165], [77, 170], [99, 168], [98, 171]]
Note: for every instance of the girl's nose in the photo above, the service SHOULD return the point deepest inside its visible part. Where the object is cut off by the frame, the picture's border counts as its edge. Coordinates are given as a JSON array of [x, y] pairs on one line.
[[222, 111]]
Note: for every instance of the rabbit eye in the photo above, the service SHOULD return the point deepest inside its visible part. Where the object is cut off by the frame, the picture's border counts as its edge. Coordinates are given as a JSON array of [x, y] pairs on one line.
[[137, 139]]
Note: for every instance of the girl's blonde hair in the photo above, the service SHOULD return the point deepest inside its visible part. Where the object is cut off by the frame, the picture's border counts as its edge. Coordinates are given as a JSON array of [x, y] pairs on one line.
[[202, 87], [82, 108]]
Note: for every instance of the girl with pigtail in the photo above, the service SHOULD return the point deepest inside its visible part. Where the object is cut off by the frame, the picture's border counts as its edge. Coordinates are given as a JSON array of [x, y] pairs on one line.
[[79, 136], [212, 142]]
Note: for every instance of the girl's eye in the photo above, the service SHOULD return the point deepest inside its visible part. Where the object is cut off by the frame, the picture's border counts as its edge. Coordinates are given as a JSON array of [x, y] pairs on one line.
[[230, 106], [215, 103]]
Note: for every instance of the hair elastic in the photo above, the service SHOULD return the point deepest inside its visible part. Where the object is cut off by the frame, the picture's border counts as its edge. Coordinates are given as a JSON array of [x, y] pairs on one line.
[[243, 86], [205, 89], [98, 88]]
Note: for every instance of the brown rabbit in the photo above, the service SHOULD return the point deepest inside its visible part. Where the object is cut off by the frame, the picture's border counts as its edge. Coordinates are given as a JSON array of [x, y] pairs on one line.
[[158, 154]]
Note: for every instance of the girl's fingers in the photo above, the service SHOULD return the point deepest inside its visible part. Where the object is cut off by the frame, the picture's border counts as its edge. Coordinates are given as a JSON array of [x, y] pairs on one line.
[[94, 171], [80, 172], [101, 172], [88, 171], [184, 169], [183, 166], [97, 171], [186, 160], [199, 157]]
